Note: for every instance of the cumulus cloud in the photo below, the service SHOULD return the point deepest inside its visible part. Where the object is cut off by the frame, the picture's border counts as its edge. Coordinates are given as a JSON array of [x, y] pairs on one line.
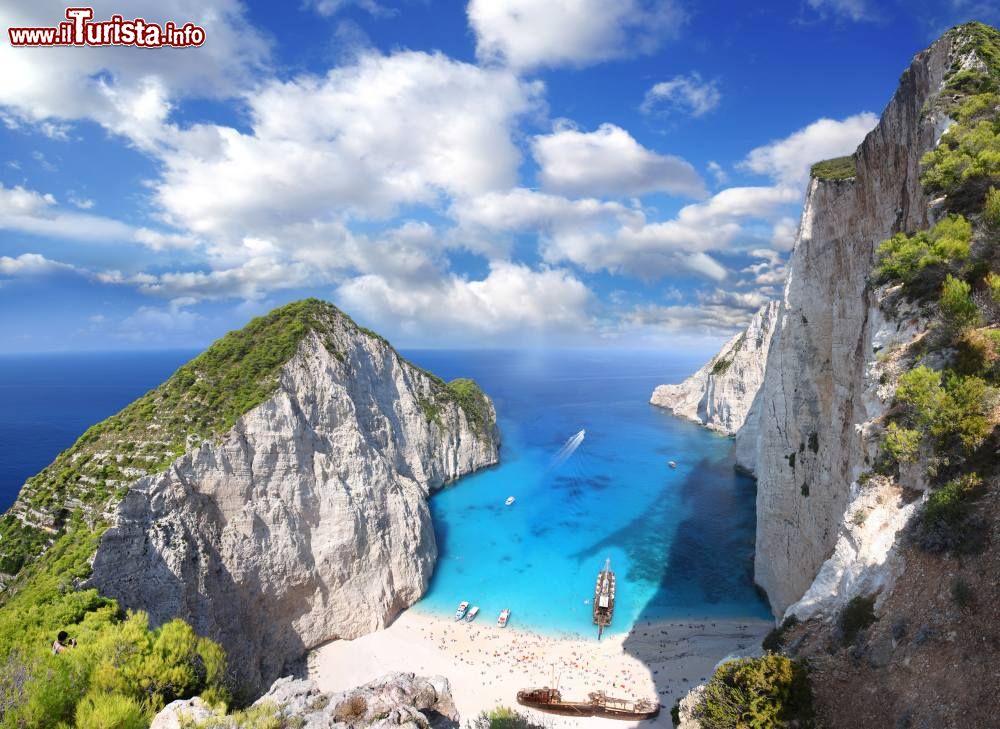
[[784, 232], [530, 33], [609, 161], [35, 213], [687, 94], [362, 140], [32, 264], [701, 319], [512, 299], [651, 249], [521, 209], [128, 93], [788, 160]]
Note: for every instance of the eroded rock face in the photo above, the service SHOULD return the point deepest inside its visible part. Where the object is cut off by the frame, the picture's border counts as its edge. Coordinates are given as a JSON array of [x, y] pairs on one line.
[[395, 700], [813, 403], [807, 431], [309, 520], [721, 393]]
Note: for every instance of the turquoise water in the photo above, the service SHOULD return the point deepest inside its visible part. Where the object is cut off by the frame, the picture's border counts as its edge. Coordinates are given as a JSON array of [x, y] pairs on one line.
[[680, 540]]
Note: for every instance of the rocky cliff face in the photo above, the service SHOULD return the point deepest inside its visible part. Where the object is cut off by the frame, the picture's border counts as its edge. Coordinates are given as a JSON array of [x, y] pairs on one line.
[[814, 399], [308, 520], [806, 433], [720, 395], [396, 700]]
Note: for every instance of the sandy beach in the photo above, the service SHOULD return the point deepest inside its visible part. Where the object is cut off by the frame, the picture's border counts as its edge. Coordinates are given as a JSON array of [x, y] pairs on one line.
[[487, 665]]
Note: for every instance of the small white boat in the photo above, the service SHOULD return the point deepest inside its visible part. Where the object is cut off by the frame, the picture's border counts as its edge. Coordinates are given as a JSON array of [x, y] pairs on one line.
[[510, 500], [504, 617], [462, 607], [472, 614], [672, 464]]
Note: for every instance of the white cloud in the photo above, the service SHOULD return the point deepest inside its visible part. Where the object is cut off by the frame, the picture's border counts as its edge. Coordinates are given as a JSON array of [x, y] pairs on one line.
[[35, 213], [512, 299], [609, 161], [84, 203], [701, 319], [331, 7], [361, 141], [784, 232], [32, 264], [127, 92], [521, 209], [530, 33], [768, 272], [856, 10], [687, 94], [788, 160], [27, 211], [720, 175], [652, 249]]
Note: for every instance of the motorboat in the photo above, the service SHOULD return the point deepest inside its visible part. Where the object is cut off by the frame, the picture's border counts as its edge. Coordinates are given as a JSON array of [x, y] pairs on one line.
[[462, 607], [504, 617], [472, 614], [510, 500]]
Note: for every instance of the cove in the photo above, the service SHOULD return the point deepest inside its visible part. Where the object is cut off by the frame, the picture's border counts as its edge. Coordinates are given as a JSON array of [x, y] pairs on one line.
[[680, 539]]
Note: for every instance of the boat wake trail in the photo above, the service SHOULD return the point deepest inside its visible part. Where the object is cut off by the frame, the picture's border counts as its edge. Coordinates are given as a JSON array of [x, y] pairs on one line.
[[568, 448]]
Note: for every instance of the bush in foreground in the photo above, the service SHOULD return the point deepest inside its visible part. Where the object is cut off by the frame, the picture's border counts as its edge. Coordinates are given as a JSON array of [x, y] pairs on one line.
[[503, 717], [763, 693], [856, 616]]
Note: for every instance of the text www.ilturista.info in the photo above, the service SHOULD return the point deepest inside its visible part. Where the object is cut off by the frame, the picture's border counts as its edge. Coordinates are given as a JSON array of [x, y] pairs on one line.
[[80, 30]]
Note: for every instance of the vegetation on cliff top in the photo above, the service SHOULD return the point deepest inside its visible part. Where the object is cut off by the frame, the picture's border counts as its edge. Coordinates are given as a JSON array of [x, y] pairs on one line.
[[838, 168]]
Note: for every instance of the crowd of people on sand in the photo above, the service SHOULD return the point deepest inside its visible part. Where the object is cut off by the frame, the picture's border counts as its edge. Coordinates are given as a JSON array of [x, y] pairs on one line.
[[534, 658]]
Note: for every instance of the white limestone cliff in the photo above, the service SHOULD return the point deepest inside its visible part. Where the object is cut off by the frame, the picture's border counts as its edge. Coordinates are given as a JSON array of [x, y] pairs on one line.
[[720, 395], [309, 520], [808, 433], [815, 407]]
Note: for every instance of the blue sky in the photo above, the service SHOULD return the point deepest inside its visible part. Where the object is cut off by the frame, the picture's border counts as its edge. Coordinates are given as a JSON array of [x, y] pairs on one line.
[[483, 173]]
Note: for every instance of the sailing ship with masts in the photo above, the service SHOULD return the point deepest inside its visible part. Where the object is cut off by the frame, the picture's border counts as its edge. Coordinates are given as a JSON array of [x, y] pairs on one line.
[[604, 598]]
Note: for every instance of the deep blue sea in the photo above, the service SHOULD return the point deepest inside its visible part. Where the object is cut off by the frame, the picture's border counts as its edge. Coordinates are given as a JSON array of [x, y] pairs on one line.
[[680, 540]]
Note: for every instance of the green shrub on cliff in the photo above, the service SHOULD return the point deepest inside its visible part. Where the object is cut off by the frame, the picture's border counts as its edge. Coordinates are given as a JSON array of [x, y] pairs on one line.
[[764, 693], [948, 411], [967, 157], [959, 310], [903, 257], [856, 616], [991, 208], [948, 522]]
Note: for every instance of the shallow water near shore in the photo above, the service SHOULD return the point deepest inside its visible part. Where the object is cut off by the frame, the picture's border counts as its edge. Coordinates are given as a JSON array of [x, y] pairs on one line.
[[680, 540]]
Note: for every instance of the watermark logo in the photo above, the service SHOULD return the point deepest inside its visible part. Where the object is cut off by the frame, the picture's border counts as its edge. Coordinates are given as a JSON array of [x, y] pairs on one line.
[[81, 30]]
